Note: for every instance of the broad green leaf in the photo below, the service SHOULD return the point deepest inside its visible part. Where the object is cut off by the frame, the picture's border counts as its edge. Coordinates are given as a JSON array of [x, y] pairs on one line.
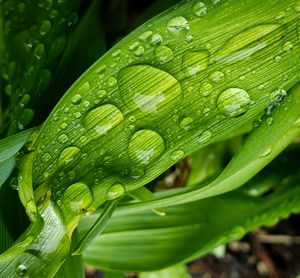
[[144, 241], [9, 146], [190, 94], [6, 167], [34, 35], [274, 134], [176, 271], [114, 274]]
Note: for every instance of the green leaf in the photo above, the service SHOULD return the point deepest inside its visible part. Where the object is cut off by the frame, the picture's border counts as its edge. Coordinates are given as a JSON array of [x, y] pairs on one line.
[[176, 271], [9, 146], [144, 241], [6, 167]]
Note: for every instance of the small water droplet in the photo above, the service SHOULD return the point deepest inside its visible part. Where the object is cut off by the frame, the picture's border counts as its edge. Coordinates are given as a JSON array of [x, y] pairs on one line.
[[146, 36], [297, 6], [139, 51], [111, 81], [102, 119], [261, 87], [233, 102], [177, 155], [199, 9], [25, 100], [116, 53], [132, 119], [277, 58], [21, 270], [101, 93], [270, 120], [287, 46], [63, 138], [280, 15], [204, 136], [186, 123], [46, 157], [217, 76], [45, 27], [178, 26], [101, 69], [145, 146], [163, 54], [205, 90], [67, 155], [136, 173], [76, 99], [266, 152], [156, 40], [189, 38], [77, 115], [115, 191], [39, 51], [133, 46]]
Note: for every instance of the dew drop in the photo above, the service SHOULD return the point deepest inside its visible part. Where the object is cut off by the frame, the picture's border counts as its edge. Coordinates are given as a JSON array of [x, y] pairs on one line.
[[189, 39], [266, 152], [102, 119], [146, 36], [204, 136], [178, 26], [217, 76], [67, 155], [277, 58], [145, 146], [77, 115], [163, 54], [111, 81], [45, 27], [76, 99], [25, 100], [101, 93], [195, 61], [115, 191], [199, 9], [101, 69], [233, 102], [156, 40], [46, 157], [39, 51], [133, 46], [186, 123], [177, 155], [297, 6], [144, 96], [63, 138], [21, 270], [116, 53], [205, 90], [287, 46], [139, 51]]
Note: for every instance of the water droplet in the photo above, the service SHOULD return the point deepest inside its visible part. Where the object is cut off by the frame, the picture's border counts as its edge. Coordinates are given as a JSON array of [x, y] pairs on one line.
[[132, 119], [77, 115], [101, 93], [261, 87], [102, 119], [277, 58], [280, 15], [139, 51], [205, 90], [133, 46], [178, 26], [233, 102], [266, 152], [116, 53], [111, 81], [177, 155], [204, 136], [186, 123], [189, 39], [45, 27], [67, 155], [140, 93], [270, 120], [25, 100], [21, 270], [63, 138], [195, 61], [287, 46], [163, 54], [115, 191], [39, 51], [78, 197], [145, 146], [101, 69], [156, 40], [217, 76], [46, 157], [136, 173], [199, 9], [76, 99], [146, 36]]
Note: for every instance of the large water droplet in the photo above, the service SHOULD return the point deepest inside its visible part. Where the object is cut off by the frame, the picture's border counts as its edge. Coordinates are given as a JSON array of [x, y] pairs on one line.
[[146, 36], [148, 90], [233, 102], [204, 136], [178, 26], [67, 155], [199, 9], [115, 191], [156, 40], [21, 270], [145, 146], [195, 61], [78, 197], [186, 123], [163, 54], [102, 119], [76, 99]]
